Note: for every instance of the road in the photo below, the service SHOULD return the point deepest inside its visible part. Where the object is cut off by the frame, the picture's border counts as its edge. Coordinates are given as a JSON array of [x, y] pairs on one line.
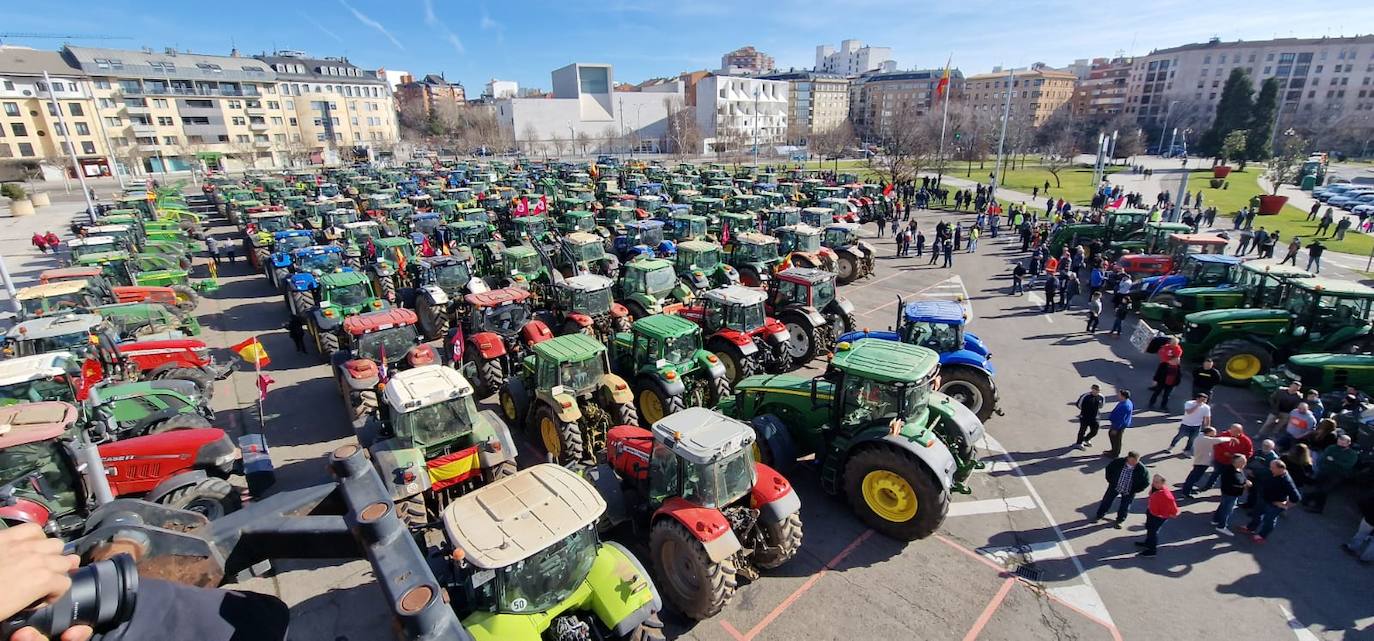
[[1016, 559]]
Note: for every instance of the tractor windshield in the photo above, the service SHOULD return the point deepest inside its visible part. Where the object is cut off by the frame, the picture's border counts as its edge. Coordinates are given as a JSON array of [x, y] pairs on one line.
[[533, 228], [940, 337], [1301, 300], [650, 236], [294, 242], [354, 295], [393, 341], [581, 376], [582, 223], [706, 260], [426, 224], [839, 237], [545, 579], [452, 277], [593, 302], [761, 252], [806, 243], [75, 341], [505, 319], [822, 294], [659, 282], [43, 389], [680, 349], [40, 306], [46, 459], [589, 252], [324, 262], [867, 401], [526, 264], [720, 483], [439, 423], [273, 223]]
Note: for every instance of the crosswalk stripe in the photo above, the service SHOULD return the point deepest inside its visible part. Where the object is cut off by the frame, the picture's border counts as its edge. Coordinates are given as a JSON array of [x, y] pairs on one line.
[[1030, 552], [992, 506], [1084, 598]]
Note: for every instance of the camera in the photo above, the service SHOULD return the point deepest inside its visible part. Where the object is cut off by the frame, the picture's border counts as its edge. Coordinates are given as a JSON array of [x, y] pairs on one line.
[[102, 596]]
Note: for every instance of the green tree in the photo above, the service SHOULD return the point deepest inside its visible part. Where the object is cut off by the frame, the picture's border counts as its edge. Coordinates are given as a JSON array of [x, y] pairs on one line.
[[1234, 148], [1233, 111], [1286, 165], [1262, 121]]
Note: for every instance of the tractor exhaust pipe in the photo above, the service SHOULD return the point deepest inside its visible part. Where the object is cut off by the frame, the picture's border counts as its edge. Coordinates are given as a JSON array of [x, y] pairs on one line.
[[93, 469]]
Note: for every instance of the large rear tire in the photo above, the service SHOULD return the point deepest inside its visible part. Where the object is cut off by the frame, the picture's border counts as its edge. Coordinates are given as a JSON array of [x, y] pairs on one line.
[[783, 538], [1241, 360], [969, 386], [720, 388], [329, 343], [622, 324], [801, 342], [212, 497], [388, 290], [848, 270], [433, 320], [686, 576], [656, 403], [650, 630], [737, 365], [301, 302], [204, 382], [625, 414], [187, 298], [260, 257], [894, 493], [188, 421], [561, 440]]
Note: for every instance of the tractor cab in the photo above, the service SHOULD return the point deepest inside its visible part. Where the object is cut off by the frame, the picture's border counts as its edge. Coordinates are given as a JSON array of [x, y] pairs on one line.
[[645, 285], [143, 321], [643, 238], [580, 252], [682, 227], [523, 266], [426, 222], [384, 337], [125, 236], [801, 244], [734, 308], [841, 210], [54, 376], [698, 264], [450, 274], [695, 455], [1177, 247], [357, 236], [345, 293], [40, 469], [57, 298], [285, 241], [269, 222], [707, 206], [755, 255], [530, 230], [585, 299], [339, 217], [81, 334], [577, 220], [782, 217], [79, 247], [1196, 270], [615, 218], [317, 260]]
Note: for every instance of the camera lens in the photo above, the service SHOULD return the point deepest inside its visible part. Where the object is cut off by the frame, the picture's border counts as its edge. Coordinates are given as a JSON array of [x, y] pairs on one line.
[[102, 596]]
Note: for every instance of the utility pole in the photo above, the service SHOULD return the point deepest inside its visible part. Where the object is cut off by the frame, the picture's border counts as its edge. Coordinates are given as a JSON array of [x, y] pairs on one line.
[[71, 150], [1002, 141], [105, 133], [1164, 128], [944, 124], [756, 125]]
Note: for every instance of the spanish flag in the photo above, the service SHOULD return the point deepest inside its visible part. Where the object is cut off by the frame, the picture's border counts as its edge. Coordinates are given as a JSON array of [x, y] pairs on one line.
[[453, 468], [943, 85], [253, 352]]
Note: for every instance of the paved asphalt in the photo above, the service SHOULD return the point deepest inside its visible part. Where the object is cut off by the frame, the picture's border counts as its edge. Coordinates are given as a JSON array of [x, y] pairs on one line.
[[1016, 559]]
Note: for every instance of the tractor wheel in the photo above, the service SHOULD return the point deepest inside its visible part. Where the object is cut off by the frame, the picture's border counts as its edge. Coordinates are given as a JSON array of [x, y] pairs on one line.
[[301, 302], [622, 324], [848, 270], [388, 290], [180, 422], [433, 320], [211, 497], [737, 365], [783, 538], [279, 277], [490, 373], [502, 470], [840, 324], [656, 403], [686, 575], [329, 343], [200, 377], [801, 342], [1241, 360], [412, 511], [969, 386], [184, 262], [260, 257], [894, 493], [514, 402], [562, 441], [625, 414], [187, 298], [720, 388], [637, 311], [650, 630]]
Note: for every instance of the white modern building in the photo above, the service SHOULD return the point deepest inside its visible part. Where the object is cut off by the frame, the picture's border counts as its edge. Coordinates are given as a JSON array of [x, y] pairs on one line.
[[736, 111], [854, 58], [393, 77], [584, 115], [499, 89]]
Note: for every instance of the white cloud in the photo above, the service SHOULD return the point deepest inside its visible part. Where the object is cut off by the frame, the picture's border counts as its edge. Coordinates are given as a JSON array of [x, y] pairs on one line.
[[432, 19], [319, 26], [363, 18], [488, 24]]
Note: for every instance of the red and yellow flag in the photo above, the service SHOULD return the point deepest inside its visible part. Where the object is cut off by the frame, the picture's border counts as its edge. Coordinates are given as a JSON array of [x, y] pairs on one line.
[[253, 352], [943, 86], [453, 468]]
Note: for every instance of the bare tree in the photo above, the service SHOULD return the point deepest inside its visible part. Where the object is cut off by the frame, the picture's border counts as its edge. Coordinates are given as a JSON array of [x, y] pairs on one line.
[[583, 141], [1057, 140], [529, 138], [245, 152], [908, 146], [1130, 138], [834, 142], [683, 134]]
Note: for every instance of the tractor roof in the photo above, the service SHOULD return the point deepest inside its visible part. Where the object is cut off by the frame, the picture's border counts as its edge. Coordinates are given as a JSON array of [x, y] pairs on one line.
[[808, 275], [1277, 271], [735, 295], [1217, 259], [91, 240], [854, 227], [801, 229], [53, 326], [587, 282], [102, 394], [59, 288], [376, 321], [439, 260], [393, 241], [569, 348], [1197, 239], [519, 251], [1334, 287], [752, 238], [106, 228], [886, 361], [342, 279], [275, 213], [647, 264], [823, 211], [697, 246], [315, 250], [29, 368], [583, 238], [360, 223], [644, 224], [945, 312], [424, 386], [1161, 226], [497, 297], [702, 436], [518, 516], [291, 233], [664, 326], [64, 273], [34, 422]]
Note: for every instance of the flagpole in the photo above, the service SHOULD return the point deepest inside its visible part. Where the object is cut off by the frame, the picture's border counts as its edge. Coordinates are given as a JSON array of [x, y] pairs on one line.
[[257, 382], [944, 122]]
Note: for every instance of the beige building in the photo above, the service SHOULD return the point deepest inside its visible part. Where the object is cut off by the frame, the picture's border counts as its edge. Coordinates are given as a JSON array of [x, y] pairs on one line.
[[816, 102], [746, 60], [876, 99], [31, 141], [1038, 92], [332, 107]]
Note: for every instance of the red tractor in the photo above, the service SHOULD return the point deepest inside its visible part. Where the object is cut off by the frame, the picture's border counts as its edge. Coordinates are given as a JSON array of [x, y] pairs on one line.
[[95, 278], [712, 512], [388, 337], [498, 328], [739, 333], [1176, 248]]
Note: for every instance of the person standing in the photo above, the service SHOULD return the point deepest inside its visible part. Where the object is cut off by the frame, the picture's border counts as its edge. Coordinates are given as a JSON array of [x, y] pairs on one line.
[[1362, 544], [230, 248], [212, 248], [1126, 477], [1197, 416], [1292, 256], [296, 329], [1018, 276], [1301, 422], [1068, 289], [1233, 486], [949, 253], [936, 249], [1123, 307], [1276, 495], [1341, 228], [1336, 464], [973, 240], [1245, 237], [1089, 407], [1204, 453], [1166, 378], [1170, 350], [1325, 224], [920, 243], [40, 242], [1205, 379], [1159, 508], [1119, 421], [1315, 249], [1281, 402], [54, 243], [1051, 290], [1123, 289], [1316, 208], [1094, 311]]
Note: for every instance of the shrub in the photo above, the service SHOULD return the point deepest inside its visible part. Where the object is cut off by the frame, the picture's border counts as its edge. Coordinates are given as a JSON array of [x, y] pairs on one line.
[[13, 191]]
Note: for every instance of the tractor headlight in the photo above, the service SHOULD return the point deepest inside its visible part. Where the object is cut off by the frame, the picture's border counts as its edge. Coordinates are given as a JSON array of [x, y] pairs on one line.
[[224, 461]]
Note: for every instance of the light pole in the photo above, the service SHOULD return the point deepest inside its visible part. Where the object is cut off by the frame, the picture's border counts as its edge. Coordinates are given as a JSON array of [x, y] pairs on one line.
[[572, 135], [756, 125], [71, 149], [1002, 140], [636, 129], [620, 115], [1164, 128]]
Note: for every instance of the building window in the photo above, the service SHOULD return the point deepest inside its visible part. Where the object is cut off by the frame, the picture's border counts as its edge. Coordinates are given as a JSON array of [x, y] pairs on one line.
[[276, 120], [272, 104], [319, 137], [195, 120], [238, 120], [164, 121], [241, 138], [12, 109], [18, 129], [87, 147], [25, 149], [169, 140], [209, 68], [75, 109], [5, 151], [82, 129], [159, 103], [235, 104]]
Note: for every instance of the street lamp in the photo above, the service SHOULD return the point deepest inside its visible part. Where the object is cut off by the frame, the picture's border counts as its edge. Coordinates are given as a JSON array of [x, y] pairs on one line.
[[1164, 128]]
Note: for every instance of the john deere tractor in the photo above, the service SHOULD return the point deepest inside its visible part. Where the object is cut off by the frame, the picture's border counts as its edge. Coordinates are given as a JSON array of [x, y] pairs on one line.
[[646, 285], [754, 255], [388, 268], [339, 295], [566, 392], [536, 570], [881, 436], [699, 266], [1253, 284], [664, 356]]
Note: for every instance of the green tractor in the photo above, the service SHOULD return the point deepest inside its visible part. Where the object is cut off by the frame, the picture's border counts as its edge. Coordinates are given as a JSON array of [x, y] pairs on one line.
[[584, 253], [338, 296], [671, 369], [125, 270], [1254, 284], [523, 267], [699, 266], [355, 238], [880, 434], [133, 321], [535, 570], [1325, 372], [389, 268], [647, 284], [754, 256], [151, 407], [565, 390], [1319, 315]]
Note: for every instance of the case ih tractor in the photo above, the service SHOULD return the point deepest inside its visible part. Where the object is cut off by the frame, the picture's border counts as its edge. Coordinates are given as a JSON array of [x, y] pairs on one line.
[[429, 442], [647, 284], [583, 304], [671, 371], [854, 257], [713, 514], [882, 438], [754, 255], [565, 390], [376, 339], [440, 282], [535, 570], [498, 328], [739, 333], [804, 300], [699, 266]]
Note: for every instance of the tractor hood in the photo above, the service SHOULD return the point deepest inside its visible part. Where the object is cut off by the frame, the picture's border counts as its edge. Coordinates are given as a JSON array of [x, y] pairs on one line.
[[976, 345], [1227, 316]]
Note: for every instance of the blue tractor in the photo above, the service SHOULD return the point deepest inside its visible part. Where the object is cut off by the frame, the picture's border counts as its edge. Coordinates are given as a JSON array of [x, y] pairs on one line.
[[307, 265], [283, 243], [966, 371], [1197, 270], [643, 238]]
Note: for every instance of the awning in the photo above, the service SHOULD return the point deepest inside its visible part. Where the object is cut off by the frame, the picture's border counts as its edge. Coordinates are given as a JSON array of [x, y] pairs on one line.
[[209, 155]]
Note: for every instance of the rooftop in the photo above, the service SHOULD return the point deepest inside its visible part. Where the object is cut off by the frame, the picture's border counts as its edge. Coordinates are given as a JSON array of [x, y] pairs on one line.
[[23, 61], [1276, 42], [518, 516]]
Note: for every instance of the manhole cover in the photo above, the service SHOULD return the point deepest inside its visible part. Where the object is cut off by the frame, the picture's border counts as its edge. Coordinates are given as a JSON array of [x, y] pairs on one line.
[[1028, 572]]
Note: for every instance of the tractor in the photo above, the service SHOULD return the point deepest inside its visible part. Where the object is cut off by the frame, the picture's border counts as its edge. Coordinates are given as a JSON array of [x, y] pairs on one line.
[[259, 235], [522, 266], [536, 570], [1319, 315], [57, 298], [337, 296], [713, 514], [566, 392], [1254, 284], [301, 276], [1119, 225], [646, 285], [582, 253], [613, 221], [663, 354], [1171, 258], [93, 278], [356, 238], [123, 269], [1325, 372], [152, 407], [854, 257], [804, 300], [881, 436], [583, 304], [781, 217], [498, 328], [53, 376], [801, 246], [1196, 270], [699, 266], [135, 321], [682, 227], [966, 371], [753, 255], [440, 282], [431, 443], [378, 341], [642, 238], [739, 333], [284, 245], [387, 265]]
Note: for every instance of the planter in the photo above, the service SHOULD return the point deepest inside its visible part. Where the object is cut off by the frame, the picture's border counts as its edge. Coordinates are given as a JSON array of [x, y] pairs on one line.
[[22, 207], [1271, 204], [1217, 182], [40, 199], [1221, 171]]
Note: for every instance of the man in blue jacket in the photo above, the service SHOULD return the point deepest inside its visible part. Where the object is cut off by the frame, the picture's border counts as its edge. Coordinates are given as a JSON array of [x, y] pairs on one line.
[[1119, 420]]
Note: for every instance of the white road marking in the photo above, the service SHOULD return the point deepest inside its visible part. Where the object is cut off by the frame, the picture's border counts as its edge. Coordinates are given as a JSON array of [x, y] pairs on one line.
[[1039, 301], [991, 444], [1031, 552], [1082, 596], [990, 467], [1299, 630], [992, 506]]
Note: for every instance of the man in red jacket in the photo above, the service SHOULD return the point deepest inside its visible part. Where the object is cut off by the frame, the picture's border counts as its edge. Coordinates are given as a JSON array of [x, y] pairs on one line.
[[1222, 454], [1160, 508]]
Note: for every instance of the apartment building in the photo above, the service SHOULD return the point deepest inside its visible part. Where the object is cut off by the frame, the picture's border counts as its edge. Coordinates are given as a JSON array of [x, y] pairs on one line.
[[332, 109], [1038, 93], [1102, 86], [746, 60], [738, 110], [423, 95], [876, 99], [31, 140], [816, 102], [853, 58]]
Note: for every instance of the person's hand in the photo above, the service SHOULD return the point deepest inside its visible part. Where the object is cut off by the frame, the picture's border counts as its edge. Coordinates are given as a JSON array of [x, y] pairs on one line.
[[33, 569]]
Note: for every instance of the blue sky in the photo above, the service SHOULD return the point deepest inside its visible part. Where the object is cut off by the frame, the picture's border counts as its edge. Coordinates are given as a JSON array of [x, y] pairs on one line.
[[475, 40]]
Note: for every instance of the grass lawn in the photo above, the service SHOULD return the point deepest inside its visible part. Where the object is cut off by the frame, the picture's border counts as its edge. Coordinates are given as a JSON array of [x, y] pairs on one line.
[[1076, 183], [1290, 221]]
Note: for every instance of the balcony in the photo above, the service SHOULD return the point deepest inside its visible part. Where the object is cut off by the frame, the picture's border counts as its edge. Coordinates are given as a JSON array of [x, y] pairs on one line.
[[255, 111], [136, 109], [257, 126], [262, 144], [146, 148], [144, 130]]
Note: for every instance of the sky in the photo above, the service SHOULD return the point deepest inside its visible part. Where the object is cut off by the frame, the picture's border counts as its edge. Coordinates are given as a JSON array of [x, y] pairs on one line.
[[473, 41]]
